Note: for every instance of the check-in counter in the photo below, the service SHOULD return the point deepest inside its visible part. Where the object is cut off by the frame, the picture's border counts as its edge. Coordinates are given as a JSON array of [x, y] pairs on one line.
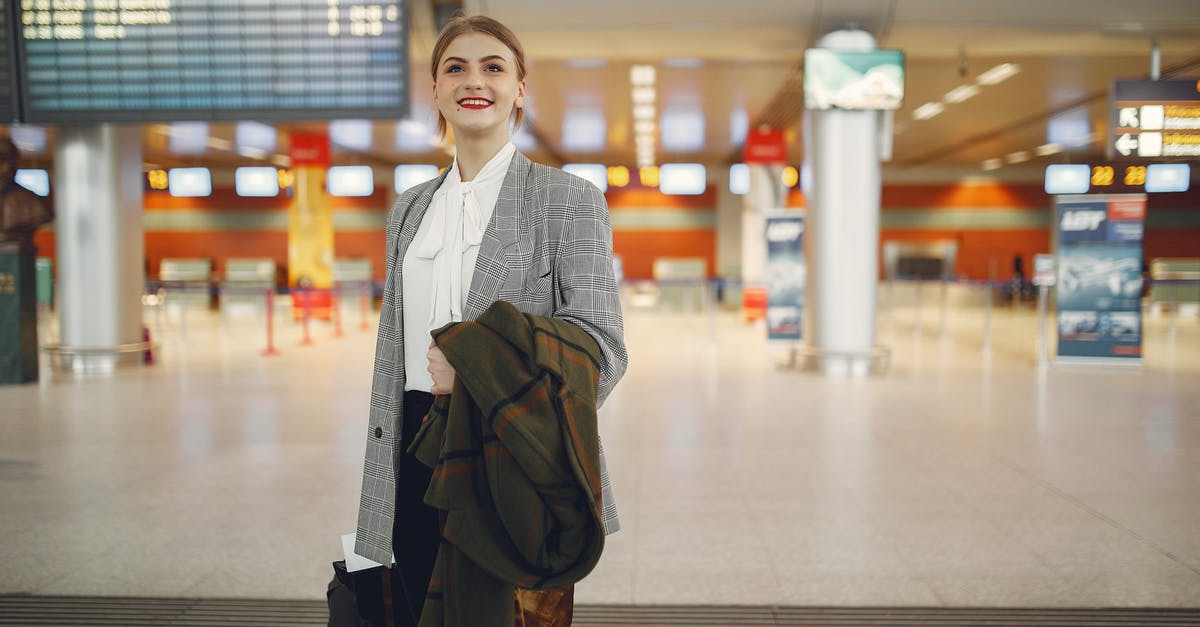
[[1174, 284], [186, 282], [247, 283]]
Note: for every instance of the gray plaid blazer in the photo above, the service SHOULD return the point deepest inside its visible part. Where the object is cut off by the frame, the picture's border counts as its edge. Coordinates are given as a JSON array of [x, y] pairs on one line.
[[548, 251]]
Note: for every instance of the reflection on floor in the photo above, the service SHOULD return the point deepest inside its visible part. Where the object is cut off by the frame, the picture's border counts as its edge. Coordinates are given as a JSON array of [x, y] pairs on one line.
[[963, 477]]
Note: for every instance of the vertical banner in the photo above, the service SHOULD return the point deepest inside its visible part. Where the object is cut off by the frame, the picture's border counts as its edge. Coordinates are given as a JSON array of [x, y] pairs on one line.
[[1100, 276], [310, 225], [785, 274]]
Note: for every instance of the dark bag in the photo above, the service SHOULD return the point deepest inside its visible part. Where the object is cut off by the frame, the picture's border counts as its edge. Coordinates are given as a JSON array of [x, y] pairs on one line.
[[361, 599]]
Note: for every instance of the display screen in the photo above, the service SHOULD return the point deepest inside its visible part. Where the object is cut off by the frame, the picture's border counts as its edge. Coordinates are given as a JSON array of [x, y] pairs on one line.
[[8, 94], [158, 60], [838, 79]]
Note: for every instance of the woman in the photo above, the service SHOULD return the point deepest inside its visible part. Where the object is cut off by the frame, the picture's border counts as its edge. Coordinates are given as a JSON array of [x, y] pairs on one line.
[[493, 227]]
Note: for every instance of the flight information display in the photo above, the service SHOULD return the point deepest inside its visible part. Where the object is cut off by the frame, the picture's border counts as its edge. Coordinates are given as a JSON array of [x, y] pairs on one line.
[[8, 93], [165, 60]]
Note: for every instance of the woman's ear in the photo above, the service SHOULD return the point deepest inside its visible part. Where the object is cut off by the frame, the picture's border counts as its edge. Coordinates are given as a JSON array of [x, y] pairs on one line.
[[520, 101]]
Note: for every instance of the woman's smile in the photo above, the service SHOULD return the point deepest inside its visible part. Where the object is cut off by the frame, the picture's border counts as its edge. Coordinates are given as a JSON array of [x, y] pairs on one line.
[[474, 103]]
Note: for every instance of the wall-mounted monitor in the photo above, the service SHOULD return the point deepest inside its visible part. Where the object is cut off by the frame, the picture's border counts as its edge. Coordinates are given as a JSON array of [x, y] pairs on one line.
[[113, 61], [838, 79]]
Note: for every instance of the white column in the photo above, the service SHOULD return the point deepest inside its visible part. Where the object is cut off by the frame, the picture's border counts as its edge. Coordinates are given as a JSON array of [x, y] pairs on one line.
[[843, 228], [98, 231]]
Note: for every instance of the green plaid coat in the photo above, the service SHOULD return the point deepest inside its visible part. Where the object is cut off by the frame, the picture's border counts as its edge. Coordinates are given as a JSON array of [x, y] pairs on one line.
[[516, 464]]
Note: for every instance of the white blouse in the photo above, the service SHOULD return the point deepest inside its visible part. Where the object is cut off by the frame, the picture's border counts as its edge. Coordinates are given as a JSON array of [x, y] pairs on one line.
[[437, 268]]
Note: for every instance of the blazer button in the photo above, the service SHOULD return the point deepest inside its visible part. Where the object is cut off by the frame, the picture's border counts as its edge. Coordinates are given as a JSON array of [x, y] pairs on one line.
[[378, 432]]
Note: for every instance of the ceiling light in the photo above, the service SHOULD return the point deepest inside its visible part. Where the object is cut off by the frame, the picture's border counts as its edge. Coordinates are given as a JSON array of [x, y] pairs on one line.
[[682, 129], [1045, 150], [34, 180], [217, 143], [642, 75], [928, 110], [643, 112], [584, 130], [1020, 156], [961, 93], [998, 73], [992, 164], [789, 177], [643, 95], [644, 127], [252, 153]]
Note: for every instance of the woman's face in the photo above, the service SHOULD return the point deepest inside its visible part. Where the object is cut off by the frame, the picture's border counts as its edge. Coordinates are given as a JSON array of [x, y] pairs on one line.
[[477, 86]]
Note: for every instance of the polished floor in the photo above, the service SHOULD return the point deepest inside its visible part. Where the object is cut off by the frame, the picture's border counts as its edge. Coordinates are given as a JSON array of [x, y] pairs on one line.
[[962, 477]]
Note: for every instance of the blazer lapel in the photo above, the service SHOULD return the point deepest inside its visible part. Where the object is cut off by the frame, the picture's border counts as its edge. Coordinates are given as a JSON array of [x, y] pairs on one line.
[[491, 267], [408, 230]]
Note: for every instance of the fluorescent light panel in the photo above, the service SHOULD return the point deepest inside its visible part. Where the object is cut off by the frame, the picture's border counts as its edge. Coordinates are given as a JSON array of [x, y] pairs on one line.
[[352, 134], [1068, 178], [1020, 156], [189, 182], [1045, 150], [409, 175], [928, 110], [350, 180], [257, 136], [1168, 177], [261, 181], [998, 74], [682, 179], [583, 130], [188, 138], [682, 129], [992, 164], [961, 93]]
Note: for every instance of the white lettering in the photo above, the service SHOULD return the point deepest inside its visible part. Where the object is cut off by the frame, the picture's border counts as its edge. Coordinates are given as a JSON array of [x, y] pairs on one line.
[[1082, 220]]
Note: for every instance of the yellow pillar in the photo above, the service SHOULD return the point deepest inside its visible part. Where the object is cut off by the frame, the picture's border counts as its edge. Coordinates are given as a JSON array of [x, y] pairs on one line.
[[310, 227]]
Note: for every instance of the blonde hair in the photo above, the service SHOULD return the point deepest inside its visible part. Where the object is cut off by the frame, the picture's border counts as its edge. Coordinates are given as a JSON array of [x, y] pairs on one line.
[[460, 25]]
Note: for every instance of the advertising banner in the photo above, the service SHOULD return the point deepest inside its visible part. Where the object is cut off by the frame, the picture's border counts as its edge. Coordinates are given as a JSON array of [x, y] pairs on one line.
[[1100, 276], [785, 275]]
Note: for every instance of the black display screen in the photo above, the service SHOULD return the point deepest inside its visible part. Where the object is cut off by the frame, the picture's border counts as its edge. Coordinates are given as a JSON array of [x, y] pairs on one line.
[[164, 60], [8, 79]]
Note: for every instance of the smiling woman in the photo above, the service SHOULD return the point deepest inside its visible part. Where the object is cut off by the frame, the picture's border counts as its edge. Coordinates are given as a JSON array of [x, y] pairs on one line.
[[494, 227]]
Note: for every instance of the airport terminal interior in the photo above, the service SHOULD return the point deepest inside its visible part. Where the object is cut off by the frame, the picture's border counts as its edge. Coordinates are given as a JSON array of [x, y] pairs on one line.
[[991, 451]]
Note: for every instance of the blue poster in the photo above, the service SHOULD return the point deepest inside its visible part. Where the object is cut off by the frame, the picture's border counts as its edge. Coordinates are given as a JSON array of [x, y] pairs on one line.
[[785, 275], [1100, 275]]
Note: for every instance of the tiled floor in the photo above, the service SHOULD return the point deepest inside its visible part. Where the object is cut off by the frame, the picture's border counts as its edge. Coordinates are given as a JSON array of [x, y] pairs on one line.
[[960, 478]]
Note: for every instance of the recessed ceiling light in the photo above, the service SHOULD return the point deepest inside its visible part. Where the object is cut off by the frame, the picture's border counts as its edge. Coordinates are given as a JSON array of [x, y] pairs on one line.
[[961, 93], [999, 73], [1045, 150], [1019, 156], [992, 164], [928, 110]]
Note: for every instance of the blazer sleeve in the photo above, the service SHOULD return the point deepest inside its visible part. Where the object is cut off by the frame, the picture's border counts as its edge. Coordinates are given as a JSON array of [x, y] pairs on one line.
[[587, 288]]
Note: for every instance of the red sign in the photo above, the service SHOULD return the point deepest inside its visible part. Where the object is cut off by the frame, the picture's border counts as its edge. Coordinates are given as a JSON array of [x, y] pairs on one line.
[[310, 149], [765, 146], [1127, 209]]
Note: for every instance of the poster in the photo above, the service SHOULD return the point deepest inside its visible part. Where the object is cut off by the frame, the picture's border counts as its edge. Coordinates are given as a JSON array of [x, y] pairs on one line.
[[785, 275], [1100, 276]]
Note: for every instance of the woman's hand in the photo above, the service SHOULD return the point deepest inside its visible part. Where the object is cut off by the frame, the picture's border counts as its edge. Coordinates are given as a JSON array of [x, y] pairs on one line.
[[440, 370]]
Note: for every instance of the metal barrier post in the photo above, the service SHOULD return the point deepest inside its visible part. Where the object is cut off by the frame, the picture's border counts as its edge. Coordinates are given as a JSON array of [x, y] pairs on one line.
[[270, 302], [944, 333], [337, 310], [305, 295], [1043, 342], [363, 305]]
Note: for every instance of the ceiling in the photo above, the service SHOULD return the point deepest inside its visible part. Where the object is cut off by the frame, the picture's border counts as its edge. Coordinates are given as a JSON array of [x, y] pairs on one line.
[[737, 66]]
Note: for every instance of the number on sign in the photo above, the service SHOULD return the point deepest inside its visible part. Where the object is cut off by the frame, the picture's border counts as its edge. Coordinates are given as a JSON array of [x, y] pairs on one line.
[[1135, 175], [1102, 175]]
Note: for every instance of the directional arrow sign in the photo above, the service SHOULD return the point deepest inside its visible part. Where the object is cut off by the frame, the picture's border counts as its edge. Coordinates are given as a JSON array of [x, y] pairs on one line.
[[1128, 117], [1126, 144]]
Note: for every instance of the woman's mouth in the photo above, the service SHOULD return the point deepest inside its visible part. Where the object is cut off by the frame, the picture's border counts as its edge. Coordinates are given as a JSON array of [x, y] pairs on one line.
[[474, 103]]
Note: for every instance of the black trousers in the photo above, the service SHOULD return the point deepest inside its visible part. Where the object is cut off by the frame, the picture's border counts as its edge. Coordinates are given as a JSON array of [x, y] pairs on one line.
[[415, 532]]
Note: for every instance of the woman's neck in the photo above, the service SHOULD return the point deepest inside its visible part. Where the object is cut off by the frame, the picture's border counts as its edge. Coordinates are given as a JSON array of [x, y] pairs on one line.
[[472, 153]]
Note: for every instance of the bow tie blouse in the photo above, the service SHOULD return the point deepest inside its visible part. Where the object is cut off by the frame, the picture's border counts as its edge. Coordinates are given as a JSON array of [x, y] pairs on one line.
[[437, 268]]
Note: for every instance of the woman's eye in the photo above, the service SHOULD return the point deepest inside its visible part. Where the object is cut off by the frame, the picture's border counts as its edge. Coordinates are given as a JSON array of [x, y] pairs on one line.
[[453, 68], [495, 68]]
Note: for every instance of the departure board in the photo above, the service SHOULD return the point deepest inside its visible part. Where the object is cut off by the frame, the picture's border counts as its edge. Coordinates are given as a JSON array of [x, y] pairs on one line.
[[8, 87], [165, 60]]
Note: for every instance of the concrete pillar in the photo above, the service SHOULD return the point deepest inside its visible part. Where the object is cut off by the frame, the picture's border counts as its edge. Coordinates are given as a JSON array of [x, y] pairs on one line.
[[842, 243], [99, 237]]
